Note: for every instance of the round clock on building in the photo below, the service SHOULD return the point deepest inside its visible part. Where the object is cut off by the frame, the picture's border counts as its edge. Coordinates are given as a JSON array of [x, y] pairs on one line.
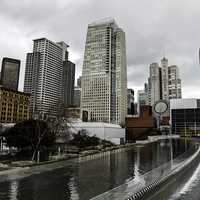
[[160, 107]]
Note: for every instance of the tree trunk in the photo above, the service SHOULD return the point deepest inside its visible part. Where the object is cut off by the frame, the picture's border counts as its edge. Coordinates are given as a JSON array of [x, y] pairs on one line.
[[38, 156], [33, 156]]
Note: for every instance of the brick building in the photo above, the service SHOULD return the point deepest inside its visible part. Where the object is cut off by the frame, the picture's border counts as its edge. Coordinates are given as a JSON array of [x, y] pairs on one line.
[[13, 106], [142, 126]]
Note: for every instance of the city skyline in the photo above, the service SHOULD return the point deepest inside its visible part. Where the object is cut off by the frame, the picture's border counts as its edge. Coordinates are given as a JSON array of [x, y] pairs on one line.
[[99, 99], [147, 40]]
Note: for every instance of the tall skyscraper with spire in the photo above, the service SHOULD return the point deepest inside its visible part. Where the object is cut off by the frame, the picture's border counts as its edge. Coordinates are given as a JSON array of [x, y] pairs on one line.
[[104, 75]]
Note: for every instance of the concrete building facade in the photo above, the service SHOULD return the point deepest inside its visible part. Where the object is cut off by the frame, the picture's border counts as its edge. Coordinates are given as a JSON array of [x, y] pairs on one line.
[[164, 82], [77, 97], [68, 82], [31, 79], [164, 79], [104, 76], [43, 77], [49, 78], [68, 77], [141, 99], [155, 83], [130, 102], [174, 85], [79, 81]]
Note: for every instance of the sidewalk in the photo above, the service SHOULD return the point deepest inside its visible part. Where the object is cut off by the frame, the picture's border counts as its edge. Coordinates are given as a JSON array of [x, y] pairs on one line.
[[13, 170], [21, 166]]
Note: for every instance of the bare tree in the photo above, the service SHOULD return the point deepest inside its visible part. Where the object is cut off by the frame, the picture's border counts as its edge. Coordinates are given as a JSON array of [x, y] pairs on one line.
[[57, 123]]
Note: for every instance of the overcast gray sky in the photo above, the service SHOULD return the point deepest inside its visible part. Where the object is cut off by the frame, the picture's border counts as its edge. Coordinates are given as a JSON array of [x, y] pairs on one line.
[[153, 29]]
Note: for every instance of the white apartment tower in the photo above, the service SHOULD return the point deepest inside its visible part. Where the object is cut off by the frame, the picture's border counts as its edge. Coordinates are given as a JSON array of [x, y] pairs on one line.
[[164, 82], [43, 77], [104, 76], [174, 82], [165, 88]]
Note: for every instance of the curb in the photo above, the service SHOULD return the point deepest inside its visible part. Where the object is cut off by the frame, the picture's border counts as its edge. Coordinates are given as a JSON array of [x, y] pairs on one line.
[[158, 183]]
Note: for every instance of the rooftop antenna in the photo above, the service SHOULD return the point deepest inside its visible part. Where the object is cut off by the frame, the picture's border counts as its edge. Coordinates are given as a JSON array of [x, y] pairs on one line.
[[164, 52]]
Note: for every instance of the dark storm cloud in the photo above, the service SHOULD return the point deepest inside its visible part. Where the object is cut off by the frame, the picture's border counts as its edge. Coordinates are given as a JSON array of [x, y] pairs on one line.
[[153, 29]]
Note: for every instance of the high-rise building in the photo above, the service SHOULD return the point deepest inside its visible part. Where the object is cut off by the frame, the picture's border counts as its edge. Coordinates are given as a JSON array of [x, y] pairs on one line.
[[10, 73], [77, 93], [68, 76], [65, 52], [141, 99], [79, 81], [163, 83], [104, 77], [31, 78], [43, 77], [68, 81], [147, 89], [155, 83], [174, 82], [130, 102], [164, 79], [77, 97]]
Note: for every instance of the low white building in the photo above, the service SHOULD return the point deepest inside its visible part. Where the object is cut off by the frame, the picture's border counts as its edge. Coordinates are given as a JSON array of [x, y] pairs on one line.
[[110, 132]]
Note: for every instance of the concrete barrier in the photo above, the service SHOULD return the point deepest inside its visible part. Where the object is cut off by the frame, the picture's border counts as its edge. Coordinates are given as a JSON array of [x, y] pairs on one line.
[[164, 187], [89, 157], [156, 179]]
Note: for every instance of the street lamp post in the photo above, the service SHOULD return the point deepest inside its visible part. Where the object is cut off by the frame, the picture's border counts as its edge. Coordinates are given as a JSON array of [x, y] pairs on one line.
[[160, 107]]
